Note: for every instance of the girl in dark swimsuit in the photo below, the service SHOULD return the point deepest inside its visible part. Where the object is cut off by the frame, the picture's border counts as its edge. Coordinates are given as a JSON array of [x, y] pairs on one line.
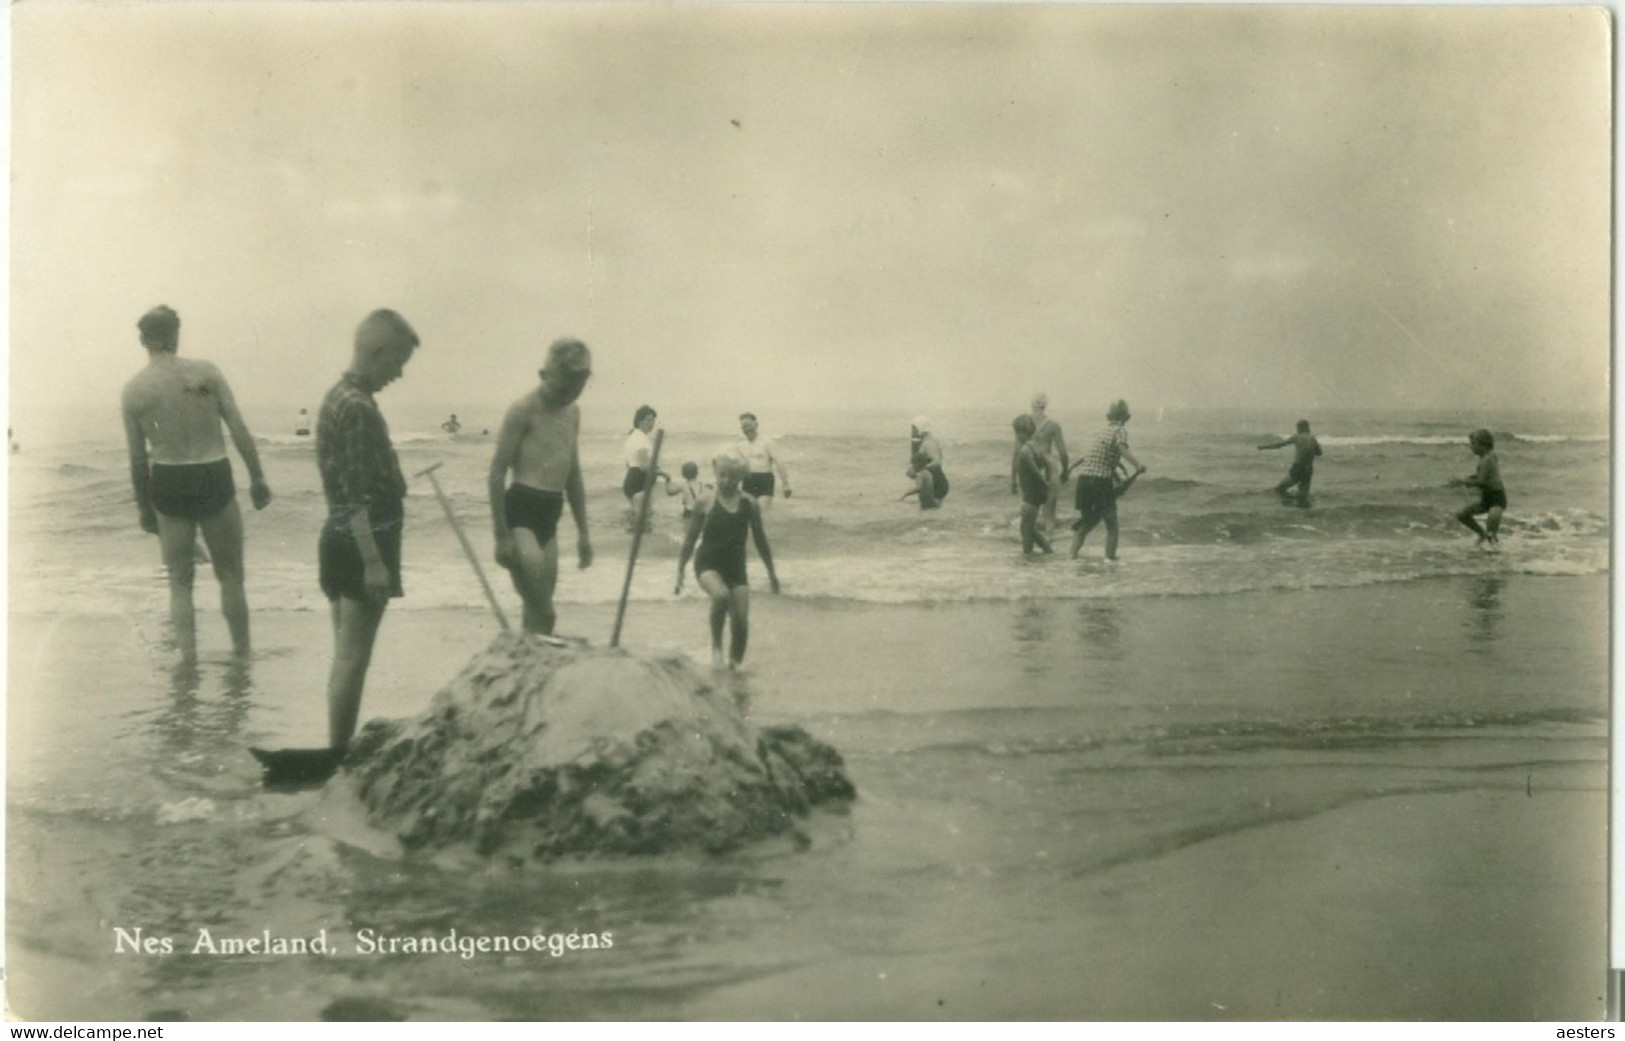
[[718, 525]]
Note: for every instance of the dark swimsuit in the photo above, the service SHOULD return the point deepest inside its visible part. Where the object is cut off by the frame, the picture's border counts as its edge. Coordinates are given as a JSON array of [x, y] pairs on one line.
[[193, 491], [1034, 492], [722, 543], [533, 508], [759, 485], [340, 567]]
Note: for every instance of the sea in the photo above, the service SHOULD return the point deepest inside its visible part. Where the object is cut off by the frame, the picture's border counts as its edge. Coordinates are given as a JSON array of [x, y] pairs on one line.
[[1029, 739], [1201, 521]]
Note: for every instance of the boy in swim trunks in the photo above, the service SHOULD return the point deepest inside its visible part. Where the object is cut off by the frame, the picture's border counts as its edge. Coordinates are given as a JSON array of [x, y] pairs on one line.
[[762, 461], [359, 551], [719, 525], [1492, 493], [538, 443], [172, 414], [1304, 450], [1033, 478]]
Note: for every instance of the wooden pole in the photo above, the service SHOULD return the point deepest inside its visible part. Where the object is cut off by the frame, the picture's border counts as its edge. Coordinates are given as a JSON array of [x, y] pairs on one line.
[[479, 572], [637, 538]]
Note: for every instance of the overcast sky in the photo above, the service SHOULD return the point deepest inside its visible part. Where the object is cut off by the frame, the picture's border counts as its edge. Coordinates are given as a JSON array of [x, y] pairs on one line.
[[916, 206]]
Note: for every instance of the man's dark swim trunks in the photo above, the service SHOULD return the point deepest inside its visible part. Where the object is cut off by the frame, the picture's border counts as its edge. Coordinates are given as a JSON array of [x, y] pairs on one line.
[[533, 508], [340, 567], [759, 486], [194, 491], [939, 482]]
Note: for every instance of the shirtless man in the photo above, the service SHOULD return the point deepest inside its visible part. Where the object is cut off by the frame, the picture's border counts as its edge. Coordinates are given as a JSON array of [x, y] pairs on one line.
[[763, 460], [538, 443], [172, 414], [1047, 442]]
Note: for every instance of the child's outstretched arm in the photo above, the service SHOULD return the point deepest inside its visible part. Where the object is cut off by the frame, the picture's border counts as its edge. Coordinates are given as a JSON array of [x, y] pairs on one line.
[[1282, 443], [759, 534]]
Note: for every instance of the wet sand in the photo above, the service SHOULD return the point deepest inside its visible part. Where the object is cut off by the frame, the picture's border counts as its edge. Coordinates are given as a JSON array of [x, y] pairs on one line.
[[1066, 810]]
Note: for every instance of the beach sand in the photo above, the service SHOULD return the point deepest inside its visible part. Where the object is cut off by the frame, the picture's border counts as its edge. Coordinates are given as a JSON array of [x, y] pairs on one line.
[[1004, 859]]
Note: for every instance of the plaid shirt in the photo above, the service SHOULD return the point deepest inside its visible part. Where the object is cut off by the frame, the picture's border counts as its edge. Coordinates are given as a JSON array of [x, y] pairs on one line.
[[1100, 459], [353, 450]]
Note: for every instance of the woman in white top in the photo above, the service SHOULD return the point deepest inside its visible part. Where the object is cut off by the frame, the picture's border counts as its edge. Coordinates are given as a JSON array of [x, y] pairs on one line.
[[639, 449]]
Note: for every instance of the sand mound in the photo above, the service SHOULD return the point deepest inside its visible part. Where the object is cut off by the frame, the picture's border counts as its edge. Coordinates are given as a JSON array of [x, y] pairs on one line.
[[538, 752]]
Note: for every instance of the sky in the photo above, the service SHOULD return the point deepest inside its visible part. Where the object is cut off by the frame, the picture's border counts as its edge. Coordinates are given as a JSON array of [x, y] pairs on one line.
[[910, 206]]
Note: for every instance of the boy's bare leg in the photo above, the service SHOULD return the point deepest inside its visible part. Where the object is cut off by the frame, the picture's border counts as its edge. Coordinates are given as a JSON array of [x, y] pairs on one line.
[[1047, 515], [1494, 523], [223, 534], [717, 590], [175, 538], [1087, 522], [739, 620], [535, 574], [354, 635], [1467, 518]]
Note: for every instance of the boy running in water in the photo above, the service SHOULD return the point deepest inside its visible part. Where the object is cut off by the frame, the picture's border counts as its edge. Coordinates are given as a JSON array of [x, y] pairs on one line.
[[1033, 479], [1492, 493]]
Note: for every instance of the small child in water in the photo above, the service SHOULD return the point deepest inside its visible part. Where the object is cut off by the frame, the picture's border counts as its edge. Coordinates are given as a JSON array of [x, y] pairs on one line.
[[718, 525], [691, 489], [1492, 493], [1032, 474]]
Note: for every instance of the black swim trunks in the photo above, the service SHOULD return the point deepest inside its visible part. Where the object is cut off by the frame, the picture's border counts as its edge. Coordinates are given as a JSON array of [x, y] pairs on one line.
[[1490, 497], [759, 486], [1301, 473], [939, 482], [637, 480], [342, 572], [193, 491], [1095, 497], [533, 508]]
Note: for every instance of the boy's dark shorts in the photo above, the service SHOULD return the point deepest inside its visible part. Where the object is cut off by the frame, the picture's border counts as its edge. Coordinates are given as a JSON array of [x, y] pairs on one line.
[[1096, 497], [339, 558], [1490, 497], [534, 508], [1301, 472]]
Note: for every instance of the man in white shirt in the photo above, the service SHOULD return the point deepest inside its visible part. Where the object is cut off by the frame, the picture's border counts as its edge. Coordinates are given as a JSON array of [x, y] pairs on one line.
[[764, 462]]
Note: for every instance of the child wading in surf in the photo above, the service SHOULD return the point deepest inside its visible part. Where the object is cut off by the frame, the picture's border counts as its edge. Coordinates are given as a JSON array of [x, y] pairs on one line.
[[1492, 494], [718, 525], [1033, 480], [1304, 449]]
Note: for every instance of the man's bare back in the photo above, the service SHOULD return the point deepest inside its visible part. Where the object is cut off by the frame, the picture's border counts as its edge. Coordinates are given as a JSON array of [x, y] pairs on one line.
[[546, 441], [178, 404]]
